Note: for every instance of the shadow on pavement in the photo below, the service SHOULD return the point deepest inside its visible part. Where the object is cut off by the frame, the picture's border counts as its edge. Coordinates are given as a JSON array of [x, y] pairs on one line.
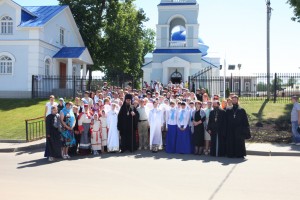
[[182, 157]]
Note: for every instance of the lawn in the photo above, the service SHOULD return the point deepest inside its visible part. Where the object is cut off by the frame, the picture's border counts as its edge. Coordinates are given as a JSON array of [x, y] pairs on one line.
[[15, 111]]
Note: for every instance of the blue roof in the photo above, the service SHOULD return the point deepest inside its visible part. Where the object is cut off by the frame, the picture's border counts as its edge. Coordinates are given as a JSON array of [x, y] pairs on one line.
[[70, 52], [176, 4], [176, 51], [39, 15]]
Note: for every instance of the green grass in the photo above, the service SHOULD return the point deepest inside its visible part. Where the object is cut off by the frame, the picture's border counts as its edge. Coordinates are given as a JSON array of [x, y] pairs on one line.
[[267, 111], [13, 113]]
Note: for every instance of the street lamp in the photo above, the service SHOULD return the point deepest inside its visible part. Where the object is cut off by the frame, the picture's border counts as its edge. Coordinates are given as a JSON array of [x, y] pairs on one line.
[[269, 10], [240, 85]]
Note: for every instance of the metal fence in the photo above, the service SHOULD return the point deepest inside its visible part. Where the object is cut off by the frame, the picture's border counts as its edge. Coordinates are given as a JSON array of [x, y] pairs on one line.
[[252, 87], [63, 86], [35, 129]]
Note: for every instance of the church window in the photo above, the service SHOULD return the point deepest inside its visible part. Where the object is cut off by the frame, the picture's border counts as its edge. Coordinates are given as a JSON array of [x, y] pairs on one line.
[[6, 25], [47, 67], [62, 36], [6, 65]]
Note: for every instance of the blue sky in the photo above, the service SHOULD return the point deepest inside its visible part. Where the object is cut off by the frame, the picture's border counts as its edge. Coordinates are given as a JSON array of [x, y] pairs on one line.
[[237, 29]]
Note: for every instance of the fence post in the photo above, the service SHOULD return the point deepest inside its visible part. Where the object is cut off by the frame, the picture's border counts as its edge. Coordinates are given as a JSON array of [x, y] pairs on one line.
[[74, 85], [189, 82], [240, 86], [26, 124], [231, 83], [32, 86], [275, 87]]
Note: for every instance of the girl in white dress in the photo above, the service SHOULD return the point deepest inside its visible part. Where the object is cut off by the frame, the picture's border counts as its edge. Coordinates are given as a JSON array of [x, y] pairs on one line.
[[113, 133], [96, 135], [103, 120]]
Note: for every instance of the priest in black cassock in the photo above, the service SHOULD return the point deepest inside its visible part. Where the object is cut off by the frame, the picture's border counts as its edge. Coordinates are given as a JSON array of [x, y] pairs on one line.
[[127, 125], [237, 126], [217, 129]]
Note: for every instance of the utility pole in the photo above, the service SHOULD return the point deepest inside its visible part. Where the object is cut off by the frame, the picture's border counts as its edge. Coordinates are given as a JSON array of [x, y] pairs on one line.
[[269, 11]]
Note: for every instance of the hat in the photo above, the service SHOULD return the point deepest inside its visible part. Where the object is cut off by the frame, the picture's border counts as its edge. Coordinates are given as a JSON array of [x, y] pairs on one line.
[[61, 99], [86, 105], [128, 96]]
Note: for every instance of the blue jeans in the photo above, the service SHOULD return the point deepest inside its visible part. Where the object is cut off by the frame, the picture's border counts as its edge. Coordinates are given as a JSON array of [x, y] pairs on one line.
[[295, 134]]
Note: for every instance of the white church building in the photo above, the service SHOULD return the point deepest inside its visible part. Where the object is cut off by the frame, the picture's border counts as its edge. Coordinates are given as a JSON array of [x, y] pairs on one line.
[[38, 40], [179, 52]]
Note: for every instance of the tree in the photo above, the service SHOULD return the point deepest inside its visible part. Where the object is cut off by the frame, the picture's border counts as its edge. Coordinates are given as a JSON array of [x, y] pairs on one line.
[[295, 4], [113, 32], [125, 41], [291, 82], [89, 16], [261, 86]]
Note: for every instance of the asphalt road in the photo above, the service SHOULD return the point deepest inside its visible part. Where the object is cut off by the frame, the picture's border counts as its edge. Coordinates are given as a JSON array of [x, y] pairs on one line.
[[144, 176]]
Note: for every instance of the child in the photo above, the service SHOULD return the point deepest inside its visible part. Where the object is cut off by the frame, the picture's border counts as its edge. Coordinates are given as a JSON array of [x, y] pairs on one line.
[[96, 135], [103, 120]]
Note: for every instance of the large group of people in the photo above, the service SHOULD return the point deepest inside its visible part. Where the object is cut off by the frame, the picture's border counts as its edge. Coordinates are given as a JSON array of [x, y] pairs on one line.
[[173, 119]]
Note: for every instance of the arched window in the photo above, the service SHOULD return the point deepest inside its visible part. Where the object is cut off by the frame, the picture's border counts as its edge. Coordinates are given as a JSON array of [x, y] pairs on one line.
[[47, 67], [6, 65], [6, 25]]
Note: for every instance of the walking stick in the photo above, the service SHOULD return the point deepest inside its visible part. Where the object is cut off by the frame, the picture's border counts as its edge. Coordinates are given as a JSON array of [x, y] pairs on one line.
[[131, 132]]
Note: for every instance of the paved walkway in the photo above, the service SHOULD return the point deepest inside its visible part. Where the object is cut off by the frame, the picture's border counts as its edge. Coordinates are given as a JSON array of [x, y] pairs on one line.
[[260, 149], [147, 176]]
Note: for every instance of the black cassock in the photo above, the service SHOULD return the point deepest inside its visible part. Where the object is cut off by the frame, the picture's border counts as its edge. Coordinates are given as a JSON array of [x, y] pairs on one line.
[[54, 142], [237, 124], [127, 126], [217, 126]]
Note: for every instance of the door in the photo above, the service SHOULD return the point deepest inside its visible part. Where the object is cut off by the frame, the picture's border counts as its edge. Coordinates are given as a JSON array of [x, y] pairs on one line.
[[176, 77], [62, 75]]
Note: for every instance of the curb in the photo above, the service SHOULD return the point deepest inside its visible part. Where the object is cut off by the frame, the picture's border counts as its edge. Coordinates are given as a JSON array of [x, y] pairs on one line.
[[25, 148]]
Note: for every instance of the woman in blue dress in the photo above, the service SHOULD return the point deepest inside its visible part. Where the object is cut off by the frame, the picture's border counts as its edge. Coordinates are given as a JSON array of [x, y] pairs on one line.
[[67, 118], [183, 140]]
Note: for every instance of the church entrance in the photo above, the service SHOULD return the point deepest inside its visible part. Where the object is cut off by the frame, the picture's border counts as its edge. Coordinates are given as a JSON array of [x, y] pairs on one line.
[[176, 77]]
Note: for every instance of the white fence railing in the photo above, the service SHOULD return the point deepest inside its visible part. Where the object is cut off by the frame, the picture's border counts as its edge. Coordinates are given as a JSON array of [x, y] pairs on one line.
[[177, 44]]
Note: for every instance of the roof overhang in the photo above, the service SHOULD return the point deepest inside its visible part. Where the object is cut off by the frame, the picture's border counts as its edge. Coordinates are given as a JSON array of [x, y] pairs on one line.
[[78, 54]]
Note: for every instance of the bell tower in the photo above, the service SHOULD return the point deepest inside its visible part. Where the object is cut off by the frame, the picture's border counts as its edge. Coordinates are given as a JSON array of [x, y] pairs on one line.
[[180, 15]]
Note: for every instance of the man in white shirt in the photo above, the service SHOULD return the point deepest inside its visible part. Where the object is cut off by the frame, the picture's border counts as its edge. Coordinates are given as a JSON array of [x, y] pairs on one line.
[[143, 125]]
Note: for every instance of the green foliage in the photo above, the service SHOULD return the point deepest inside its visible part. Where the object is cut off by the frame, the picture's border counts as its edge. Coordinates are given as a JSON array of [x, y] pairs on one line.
[[114, 33], [227, 92], [89, 17], [261, 87], [291, 81], [126, 42], [295, 4]]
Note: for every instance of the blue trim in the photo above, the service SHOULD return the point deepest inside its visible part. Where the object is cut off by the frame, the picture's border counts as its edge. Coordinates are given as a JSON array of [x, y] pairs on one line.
[[176, 51], [210, 63], [70, 52], [176, 4]]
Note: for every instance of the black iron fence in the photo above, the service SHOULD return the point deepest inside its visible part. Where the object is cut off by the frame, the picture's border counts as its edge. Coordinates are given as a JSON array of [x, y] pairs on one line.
[[63, 86], [252, 87], [35, 129]]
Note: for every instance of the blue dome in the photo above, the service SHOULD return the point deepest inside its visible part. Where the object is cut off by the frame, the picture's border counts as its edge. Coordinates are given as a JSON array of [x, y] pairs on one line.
[[181, 35]]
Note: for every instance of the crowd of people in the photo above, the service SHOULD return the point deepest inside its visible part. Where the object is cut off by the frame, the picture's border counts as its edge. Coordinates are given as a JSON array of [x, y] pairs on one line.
[[154, 118]]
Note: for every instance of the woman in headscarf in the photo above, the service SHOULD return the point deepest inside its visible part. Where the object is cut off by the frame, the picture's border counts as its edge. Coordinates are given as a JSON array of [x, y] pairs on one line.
[[68, 121]]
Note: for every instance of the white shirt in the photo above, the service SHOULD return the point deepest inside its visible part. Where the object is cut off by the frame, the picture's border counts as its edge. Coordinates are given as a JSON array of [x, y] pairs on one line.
[[49, 106], [169, 120], [143, 113], [186, 118]]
